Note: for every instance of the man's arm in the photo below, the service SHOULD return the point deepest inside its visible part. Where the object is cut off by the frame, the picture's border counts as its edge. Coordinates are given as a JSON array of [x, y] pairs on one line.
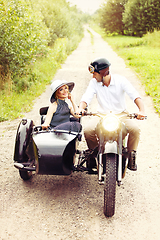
[[138, 101], [82, 107]]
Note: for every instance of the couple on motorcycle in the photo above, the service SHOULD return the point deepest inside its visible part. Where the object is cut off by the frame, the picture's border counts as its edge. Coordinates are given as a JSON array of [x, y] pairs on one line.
[[110, 91]]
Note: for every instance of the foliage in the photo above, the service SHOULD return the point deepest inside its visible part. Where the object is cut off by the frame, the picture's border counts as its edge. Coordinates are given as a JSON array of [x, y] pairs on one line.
[[130, 17], [110, 16], [22, 36], [61, 20], [141, 16], [152, 39], [26, 30]]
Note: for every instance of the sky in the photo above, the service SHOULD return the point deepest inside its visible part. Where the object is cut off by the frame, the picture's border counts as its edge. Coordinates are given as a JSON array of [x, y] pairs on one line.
[[88, 6]]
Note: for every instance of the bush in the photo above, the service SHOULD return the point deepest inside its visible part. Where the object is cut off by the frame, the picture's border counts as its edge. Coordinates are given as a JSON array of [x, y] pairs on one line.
[[22, 36], [61, 20]]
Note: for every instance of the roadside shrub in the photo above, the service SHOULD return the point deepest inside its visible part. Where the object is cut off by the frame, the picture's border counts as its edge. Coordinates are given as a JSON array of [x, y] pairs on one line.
[[23, 36]]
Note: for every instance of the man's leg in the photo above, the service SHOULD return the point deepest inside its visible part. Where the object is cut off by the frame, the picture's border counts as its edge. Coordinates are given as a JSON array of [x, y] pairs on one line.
[[133, 140], [90, 133], [92, 141]]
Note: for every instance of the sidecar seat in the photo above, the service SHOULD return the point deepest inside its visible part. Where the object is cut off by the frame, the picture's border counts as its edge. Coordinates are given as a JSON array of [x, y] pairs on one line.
[[43, 112]]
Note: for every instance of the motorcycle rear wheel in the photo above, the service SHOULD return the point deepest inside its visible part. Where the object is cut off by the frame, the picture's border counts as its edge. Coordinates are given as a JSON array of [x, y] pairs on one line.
[[25, 175], [110, 185]]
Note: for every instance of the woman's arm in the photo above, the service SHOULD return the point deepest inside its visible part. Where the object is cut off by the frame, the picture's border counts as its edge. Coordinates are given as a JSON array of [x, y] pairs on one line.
[[73, 109], [51, 110]]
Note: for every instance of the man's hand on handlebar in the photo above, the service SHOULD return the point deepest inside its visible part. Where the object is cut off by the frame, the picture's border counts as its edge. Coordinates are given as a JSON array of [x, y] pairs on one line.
[[81, 111], [141, 116]]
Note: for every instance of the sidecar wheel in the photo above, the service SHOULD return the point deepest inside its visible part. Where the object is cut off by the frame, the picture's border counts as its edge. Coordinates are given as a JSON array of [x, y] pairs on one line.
[[110, 185], [25, 175]]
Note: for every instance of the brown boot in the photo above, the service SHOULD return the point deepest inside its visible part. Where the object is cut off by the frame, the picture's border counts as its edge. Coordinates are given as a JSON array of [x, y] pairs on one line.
[[132, 161]]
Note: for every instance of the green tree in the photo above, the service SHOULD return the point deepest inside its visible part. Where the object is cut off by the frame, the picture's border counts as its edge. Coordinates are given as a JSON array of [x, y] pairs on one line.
[[141, 16], [22, 35], [27, 28], [61, 20], [111, 16]]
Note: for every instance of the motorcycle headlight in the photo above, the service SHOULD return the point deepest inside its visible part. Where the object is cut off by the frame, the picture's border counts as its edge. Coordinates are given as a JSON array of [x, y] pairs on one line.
[[111, 123]]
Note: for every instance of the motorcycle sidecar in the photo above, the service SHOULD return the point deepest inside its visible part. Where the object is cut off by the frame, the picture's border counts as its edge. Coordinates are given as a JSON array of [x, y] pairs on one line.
[[49, 152]]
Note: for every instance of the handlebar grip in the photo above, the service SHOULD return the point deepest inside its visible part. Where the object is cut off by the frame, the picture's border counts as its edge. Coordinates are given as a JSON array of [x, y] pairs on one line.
[[135, 115]]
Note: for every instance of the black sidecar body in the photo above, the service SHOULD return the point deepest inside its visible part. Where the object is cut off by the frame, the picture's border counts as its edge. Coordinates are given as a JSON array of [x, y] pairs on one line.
[[49, 151]]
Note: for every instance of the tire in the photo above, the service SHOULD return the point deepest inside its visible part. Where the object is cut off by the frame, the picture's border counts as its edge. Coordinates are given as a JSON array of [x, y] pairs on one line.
[[25, 175], [110, 185]]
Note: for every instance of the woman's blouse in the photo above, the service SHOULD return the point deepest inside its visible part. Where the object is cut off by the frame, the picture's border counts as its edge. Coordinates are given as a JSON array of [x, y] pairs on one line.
[[61, 115]]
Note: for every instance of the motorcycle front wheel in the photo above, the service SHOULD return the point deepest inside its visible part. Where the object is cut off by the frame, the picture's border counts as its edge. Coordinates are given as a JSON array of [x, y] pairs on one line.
[[110, 184]]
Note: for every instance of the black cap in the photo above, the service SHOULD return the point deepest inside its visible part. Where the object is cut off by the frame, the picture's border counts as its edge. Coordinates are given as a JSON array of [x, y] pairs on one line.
[[100, 64]]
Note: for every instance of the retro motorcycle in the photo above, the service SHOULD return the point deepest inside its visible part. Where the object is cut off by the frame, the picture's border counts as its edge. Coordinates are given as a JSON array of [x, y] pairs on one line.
[[53, 152], [112, 155]]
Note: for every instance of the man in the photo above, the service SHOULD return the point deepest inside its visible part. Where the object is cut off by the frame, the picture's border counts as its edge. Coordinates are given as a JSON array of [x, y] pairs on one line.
[[110, 91]]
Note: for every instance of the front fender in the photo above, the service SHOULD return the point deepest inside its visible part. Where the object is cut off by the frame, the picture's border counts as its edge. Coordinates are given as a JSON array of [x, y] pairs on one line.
[[22, 140], [111, 147]]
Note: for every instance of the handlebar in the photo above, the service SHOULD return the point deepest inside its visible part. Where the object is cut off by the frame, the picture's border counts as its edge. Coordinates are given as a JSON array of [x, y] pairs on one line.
[[135, 115], [38, 129], [131, 115]]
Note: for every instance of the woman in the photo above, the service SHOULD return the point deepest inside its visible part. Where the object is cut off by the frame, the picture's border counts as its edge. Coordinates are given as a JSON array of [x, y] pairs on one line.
[[58, 115]]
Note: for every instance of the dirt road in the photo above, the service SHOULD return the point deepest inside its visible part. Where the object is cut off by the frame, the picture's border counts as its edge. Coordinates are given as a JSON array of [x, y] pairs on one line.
[[71, 207]]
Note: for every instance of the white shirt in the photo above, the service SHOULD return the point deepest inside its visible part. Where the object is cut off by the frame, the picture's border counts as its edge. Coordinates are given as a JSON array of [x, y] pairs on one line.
[[111, 98]]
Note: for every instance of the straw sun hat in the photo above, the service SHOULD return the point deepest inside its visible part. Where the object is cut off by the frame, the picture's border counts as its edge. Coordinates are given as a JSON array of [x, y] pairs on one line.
[[59, 83]]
